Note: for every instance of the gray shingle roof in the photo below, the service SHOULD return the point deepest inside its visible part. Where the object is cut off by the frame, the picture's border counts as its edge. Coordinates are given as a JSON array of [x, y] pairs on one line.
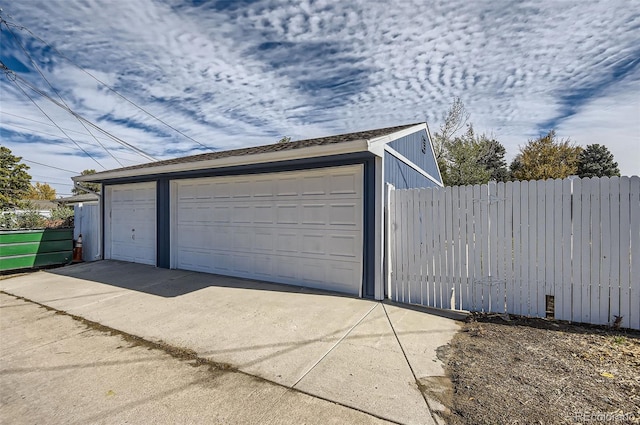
[[341, 138]]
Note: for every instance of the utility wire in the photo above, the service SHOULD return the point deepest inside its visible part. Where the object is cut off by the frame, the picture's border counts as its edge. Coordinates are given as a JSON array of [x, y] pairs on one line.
[[20, 27], [2, 65], [37, 68], [50, 134], [13, 77], [50, 166]]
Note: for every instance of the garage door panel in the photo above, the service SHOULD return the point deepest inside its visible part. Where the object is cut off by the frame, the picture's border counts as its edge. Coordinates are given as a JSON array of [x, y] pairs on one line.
[[344, 214], [302, 228], [132, 225]]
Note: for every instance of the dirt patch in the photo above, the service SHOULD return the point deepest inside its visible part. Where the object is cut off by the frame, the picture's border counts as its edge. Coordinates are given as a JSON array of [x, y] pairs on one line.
[[534, 371]]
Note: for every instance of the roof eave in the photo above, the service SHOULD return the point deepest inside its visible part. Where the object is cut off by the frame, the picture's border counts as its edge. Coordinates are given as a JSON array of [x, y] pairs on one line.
[[290, 154]]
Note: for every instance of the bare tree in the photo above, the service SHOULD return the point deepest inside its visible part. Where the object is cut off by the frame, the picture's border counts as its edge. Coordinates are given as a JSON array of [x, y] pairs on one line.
[[456, 119]]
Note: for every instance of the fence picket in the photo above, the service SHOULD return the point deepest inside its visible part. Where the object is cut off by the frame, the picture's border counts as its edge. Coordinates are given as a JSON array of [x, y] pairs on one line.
[[499, 223], [505, 247], [605, 252], [514, 300], [614, 255], [595, 252], [538, 288], [563, 267], [526, 252], [625, 252], [634, 225], [585, 253], [550, 242]]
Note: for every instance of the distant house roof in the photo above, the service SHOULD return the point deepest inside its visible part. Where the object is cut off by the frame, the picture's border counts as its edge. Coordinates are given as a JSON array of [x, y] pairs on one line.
[[41, 204], [76, 199], [268, 152]]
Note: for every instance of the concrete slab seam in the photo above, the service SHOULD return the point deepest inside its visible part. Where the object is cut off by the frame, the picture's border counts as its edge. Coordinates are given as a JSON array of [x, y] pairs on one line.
[[334, 345], [190, 355], [406, 358]]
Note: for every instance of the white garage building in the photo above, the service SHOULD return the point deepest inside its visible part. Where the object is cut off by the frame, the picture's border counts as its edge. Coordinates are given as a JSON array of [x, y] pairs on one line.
[[306, 213]]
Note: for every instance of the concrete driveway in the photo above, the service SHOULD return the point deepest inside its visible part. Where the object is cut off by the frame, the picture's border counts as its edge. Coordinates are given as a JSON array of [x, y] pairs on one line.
[[358, 353]]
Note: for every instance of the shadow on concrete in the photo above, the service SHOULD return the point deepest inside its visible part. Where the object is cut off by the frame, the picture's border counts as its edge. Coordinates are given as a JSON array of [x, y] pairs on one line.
[[170, 283]]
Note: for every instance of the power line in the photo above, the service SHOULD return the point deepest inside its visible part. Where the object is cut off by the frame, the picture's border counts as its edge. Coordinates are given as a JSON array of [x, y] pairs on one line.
[[37, 68], [20, 27], [14, 77], [50, 166], [45, 114]]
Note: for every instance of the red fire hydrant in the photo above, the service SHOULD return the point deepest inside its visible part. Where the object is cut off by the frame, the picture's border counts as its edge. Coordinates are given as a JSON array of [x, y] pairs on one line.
[[77, 250]]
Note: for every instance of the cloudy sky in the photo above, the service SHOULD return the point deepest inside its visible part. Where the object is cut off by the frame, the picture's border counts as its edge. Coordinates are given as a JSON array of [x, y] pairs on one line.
[[230, 74]]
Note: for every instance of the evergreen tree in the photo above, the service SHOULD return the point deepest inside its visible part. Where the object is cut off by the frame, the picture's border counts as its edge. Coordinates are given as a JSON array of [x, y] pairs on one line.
[[14, 180], [597, 161]]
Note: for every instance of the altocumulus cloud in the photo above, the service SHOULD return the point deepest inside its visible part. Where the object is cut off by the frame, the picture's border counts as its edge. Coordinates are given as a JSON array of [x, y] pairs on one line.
[[238, 73]]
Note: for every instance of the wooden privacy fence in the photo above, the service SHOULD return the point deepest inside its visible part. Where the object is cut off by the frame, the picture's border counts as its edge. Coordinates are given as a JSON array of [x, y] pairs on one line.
[[568, 249]]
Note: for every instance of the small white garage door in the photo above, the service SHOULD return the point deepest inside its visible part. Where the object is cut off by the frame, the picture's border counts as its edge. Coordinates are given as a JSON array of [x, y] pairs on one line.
[[301, 228], [131, 225]]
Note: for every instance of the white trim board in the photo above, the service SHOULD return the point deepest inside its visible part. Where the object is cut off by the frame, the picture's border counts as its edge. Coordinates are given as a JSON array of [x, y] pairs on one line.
[[411, 164]]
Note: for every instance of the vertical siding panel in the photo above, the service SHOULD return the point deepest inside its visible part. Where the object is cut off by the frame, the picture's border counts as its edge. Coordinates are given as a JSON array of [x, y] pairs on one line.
[[634, 289], [625, 253], [604, 295]]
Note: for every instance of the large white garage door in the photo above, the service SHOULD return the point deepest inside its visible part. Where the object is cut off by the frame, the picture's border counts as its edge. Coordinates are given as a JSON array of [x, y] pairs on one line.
[[302, 228], [131, 223]]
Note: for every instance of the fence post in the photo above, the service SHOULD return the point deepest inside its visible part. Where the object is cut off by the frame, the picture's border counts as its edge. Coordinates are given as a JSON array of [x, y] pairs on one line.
[[388, 245]]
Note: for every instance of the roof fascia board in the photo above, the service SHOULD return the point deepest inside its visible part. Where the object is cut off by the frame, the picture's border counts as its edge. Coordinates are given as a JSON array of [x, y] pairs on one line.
[[290, 154], [377, 145], [433, 150], [411, 164]]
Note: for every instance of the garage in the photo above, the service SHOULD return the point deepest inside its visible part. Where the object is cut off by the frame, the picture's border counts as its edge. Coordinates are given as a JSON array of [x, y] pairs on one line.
[[302, 227], [305, 213], [131, 223]]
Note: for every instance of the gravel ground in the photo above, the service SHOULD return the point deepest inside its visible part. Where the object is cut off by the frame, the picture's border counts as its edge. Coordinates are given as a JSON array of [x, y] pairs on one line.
[[533, 371]]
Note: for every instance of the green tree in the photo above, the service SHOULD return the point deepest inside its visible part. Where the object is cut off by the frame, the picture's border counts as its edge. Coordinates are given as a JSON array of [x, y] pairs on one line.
[[597, 161], [474, 159], [14, 179], [546, 157], [284, 139], [93, 186], [42, 192]]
